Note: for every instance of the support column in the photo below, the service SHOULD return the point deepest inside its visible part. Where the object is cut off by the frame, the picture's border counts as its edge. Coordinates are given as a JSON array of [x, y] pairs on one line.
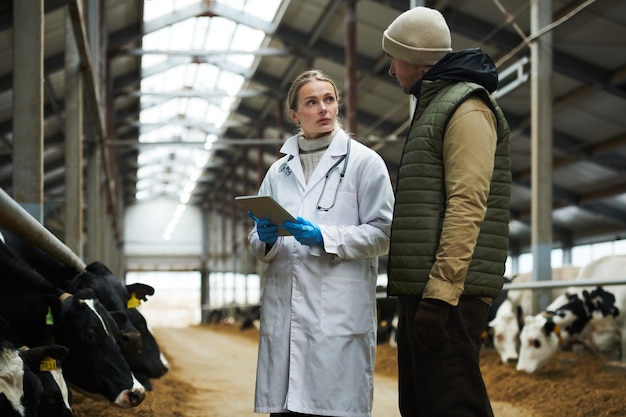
[[350, 83], [73, 142], [541, 149], [95, 212], [205, 272], [28, 29]]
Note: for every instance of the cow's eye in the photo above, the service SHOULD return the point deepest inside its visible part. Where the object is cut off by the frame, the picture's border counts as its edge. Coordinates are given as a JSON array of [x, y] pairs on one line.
[[537, 343], [90, 336]]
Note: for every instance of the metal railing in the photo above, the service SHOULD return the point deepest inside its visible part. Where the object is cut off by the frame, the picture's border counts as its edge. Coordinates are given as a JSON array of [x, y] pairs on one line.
[[14, 218], [583, 282]]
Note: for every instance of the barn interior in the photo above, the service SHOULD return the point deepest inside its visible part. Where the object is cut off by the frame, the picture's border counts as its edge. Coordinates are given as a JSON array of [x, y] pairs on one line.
[[127, 127]]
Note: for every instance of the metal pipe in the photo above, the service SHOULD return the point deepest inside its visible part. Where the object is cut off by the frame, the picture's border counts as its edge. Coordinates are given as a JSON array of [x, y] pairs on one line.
[[17, 220], [584, 282]]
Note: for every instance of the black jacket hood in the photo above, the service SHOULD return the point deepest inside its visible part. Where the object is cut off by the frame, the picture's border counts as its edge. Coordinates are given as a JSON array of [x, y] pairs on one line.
[[471, 65]]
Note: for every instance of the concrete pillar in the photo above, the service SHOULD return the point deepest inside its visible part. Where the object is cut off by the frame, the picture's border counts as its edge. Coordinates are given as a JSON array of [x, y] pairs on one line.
[[73, 143], [28, 29], [541, 148], [95, 210]]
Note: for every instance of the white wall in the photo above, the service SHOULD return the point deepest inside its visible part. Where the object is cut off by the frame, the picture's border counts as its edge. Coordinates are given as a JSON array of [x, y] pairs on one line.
[[145, 225]]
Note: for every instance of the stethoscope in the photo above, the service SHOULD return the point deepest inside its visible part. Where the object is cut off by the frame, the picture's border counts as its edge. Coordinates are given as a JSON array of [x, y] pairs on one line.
[[344, 158]]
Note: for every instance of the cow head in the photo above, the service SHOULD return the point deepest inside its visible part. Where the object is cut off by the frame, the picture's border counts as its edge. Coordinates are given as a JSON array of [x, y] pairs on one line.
[[539, 341], [95, 364], [114, 297], [46, 363], [505, 329], [20, 389]]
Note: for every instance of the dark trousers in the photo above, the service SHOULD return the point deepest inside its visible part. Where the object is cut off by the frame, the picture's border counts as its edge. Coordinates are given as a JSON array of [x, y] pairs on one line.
[[443, 382]]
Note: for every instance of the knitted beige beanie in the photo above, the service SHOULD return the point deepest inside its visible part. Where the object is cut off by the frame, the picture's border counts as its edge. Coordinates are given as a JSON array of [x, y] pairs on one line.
[[419, 36]]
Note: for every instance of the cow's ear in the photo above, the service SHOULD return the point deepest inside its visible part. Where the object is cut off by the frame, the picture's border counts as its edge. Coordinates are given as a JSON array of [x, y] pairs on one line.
[[98, 268], [36, 354], [140, 290]]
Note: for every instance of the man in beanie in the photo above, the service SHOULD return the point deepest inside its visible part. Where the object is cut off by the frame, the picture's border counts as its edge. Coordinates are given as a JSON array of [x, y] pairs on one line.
[[449, 236]]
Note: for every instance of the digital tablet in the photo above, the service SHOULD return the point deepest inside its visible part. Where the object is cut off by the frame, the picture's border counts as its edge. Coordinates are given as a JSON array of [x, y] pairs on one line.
[[265, 207]]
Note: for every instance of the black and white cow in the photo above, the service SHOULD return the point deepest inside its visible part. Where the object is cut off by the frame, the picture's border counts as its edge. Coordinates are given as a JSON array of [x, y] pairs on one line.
[[41, 313], [507, 319], [50, 396], [503, 326], [566, 321], [46, 362], [605, 329], [116, 297], [20, 389]]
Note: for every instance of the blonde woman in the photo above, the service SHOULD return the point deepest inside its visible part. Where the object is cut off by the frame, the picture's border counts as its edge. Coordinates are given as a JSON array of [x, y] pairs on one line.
[[318, 316]]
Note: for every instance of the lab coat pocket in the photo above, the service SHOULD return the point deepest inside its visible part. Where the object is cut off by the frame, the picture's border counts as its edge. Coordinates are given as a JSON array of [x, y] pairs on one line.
[[346, 306], [270, 308]]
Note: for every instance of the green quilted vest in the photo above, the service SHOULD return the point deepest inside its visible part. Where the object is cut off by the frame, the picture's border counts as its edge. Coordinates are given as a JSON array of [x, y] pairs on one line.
[[420, 198]]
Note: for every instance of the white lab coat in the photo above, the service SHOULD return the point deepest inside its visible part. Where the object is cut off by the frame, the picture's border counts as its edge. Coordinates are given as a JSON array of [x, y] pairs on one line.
[[318, 317]]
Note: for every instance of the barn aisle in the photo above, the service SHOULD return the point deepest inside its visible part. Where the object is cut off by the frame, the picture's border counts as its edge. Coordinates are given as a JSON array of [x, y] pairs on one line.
[[221, 367]]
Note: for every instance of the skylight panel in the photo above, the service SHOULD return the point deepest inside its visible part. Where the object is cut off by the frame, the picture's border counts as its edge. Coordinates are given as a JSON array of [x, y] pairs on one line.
[[206, 76], [263, 9], [150, 156], [181, 35], [156, 39], [154, 9], [219, 34], [153, 83], [148, 171], [195, 135], [151, 115], [191, 74], [200, 33], [245, 39], [195, 108]]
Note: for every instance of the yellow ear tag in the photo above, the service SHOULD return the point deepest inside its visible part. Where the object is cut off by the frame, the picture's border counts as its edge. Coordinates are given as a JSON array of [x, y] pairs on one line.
[[133, 301], [49, 318], [48, 364]]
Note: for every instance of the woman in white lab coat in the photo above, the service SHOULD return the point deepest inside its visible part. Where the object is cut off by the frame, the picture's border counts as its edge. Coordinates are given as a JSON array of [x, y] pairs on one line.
[[318, 317]]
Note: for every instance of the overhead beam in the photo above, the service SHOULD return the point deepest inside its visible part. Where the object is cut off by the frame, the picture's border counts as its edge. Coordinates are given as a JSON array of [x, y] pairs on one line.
[[266, 52]]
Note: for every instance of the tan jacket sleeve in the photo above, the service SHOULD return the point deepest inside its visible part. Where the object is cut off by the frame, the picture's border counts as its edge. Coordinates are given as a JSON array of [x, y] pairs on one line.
[[469, 148]]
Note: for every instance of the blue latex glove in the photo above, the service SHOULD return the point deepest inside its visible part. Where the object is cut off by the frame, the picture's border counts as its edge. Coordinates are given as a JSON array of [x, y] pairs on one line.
[[267, 231], [305, 232]]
